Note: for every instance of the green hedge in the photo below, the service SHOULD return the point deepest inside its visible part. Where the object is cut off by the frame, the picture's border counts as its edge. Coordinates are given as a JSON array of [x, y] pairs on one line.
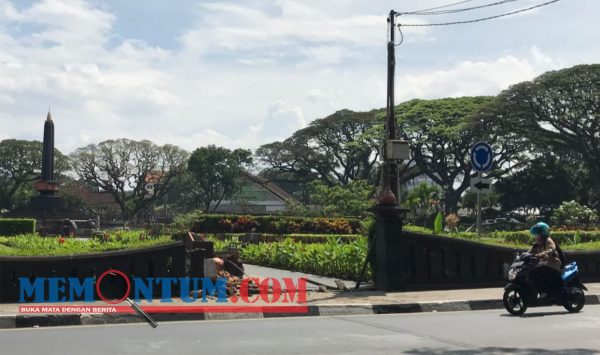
[[562, 237], [33, 244], [331, 259], [15, 226], [276, 225], [272, 238], [521, 237]]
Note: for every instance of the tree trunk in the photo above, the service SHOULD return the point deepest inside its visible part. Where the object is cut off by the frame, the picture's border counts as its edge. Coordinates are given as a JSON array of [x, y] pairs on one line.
[[595, 190], [207, 205], [124, 214], [4, 202], [219, 202], [595, 198], [451, 198]]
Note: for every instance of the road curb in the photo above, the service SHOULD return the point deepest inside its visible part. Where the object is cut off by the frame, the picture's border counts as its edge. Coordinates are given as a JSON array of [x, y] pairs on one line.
[[49, 320], [8, 321]]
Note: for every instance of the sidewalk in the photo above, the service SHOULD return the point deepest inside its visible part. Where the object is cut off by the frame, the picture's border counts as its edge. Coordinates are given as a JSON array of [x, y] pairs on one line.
[[263, 272], [327, 303]]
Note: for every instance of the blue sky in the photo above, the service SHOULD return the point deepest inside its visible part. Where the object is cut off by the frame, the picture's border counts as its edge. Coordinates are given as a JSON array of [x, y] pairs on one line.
[[245, 73]]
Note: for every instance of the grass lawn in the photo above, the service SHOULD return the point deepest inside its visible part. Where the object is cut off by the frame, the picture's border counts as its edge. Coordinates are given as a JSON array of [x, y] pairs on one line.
[[33, 244]]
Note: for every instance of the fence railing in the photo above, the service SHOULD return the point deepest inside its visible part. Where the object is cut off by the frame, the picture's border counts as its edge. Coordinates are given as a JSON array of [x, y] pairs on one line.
[[170, 260], [422, 261]]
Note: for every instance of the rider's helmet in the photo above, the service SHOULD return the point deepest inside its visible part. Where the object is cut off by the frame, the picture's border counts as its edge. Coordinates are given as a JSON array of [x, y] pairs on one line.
[[540, 228]]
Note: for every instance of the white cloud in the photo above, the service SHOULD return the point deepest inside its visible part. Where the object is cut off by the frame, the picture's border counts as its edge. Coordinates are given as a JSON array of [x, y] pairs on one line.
[[8, 11], [69, 22], [228, 26], [242, 76], [327, 54], [476, 78], [282, 120]]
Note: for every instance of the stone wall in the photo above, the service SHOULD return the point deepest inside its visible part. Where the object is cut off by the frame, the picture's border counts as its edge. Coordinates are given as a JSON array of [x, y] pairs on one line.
[[413, 261]]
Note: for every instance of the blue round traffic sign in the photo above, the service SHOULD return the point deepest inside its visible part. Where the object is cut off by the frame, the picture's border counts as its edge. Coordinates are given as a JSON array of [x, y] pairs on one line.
[[482, 157]]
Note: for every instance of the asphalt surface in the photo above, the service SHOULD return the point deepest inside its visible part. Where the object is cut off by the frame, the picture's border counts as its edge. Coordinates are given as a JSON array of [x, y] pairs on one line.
[[542, 330]]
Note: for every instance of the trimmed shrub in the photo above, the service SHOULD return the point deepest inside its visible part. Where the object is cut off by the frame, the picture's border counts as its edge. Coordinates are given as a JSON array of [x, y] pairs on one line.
[[522, 237], [16, 226], [332, 259], [562, 237], [275, 225], [187, 220], [272, 238]]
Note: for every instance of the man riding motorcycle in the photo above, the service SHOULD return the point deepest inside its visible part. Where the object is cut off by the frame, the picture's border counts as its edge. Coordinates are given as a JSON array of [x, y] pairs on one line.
[[536, 278], [546, 275]]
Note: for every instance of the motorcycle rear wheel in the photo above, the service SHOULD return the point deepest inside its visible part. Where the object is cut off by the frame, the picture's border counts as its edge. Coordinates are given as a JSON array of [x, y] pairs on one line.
[[575, 300], [514, 302]]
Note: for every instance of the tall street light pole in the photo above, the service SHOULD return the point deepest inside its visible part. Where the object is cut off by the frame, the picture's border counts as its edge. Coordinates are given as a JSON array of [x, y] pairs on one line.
[[383, 246], [390, 167]]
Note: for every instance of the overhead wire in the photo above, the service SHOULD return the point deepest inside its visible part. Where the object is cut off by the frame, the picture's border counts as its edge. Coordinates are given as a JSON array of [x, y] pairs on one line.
[[477, 20], [452, 11], [438, 7], [401, 37]]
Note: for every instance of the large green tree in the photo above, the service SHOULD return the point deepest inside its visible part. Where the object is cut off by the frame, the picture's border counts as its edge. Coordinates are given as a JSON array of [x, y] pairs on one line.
[[352, 200], [215, 170], [336, 149], [542, 185], [135, 173], [20, 166], [441, 133], [559, 109], [184, 195]]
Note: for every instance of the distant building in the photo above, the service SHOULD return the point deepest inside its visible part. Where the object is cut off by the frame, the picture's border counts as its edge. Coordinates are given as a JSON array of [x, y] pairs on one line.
[[256, 196], [100, 202], [152, 179]]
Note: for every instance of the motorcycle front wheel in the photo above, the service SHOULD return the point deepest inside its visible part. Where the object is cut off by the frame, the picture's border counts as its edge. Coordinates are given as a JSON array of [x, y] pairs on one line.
[[574, 300], [514, 302]]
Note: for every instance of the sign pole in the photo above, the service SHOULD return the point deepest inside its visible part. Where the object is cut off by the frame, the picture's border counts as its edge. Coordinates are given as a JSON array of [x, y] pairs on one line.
[[482, 158], [479, 209]]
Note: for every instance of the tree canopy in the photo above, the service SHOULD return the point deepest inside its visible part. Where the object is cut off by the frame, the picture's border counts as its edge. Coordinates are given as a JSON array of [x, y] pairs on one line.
[[544, 184], [336, 149], [215, 170], [352, 200], [20, 165], [545, 134], [441, 133], [136, 173], [559, 109]]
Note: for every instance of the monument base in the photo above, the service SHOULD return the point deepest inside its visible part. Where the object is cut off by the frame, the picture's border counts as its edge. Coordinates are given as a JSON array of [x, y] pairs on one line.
[[48, 207]]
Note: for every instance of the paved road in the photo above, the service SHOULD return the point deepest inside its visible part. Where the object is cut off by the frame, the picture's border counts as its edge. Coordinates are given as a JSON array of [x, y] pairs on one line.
[[489, 332]]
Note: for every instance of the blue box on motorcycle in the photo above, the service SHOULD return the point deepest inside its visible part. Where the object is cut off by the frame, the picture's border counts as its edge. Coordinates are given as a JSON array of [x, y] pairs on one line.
[[569, 271]]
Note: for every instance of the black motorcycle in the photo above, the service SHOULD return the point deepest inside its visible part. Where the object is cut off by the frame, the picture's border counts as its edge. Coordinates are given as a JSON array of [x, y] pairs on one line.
[[520, 294]]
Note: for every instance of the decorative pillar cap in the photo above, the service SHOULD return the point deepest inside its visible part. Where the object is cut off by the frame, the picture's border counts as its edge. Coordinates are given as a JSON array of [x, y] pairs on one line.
[[387, 197]]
